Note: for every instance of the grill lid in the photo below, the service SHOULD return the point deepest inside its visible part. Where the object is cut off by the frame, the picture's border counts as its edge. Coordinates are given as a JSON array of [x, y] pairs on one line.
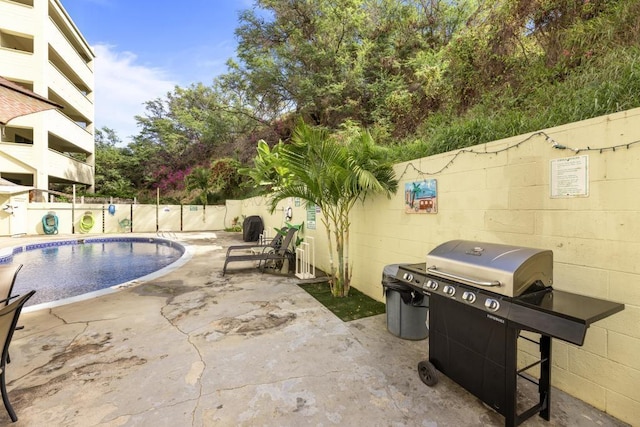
[[504, 269]]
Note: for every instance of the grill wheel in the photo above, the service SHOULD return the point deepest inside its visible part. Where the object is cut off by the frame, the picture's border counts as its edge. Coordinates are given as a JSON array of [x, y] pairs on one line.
[[427, 373]]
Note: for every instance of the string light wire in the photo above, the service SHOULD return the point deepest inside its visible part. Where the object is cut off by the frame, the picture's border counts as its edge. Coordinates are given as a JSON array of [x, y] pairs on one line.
[[547, 139]]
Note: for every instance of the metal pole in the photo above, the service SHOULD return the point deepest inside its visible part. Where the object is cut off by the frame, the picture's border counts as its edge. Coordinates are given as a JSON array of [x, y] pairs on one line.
[[73, 211]]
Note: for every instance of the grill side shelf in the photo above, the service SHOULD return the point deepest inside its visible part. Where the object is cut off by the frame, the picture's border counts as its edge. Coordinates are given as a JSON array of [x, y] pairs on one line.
[[547, 324], [561, 315]]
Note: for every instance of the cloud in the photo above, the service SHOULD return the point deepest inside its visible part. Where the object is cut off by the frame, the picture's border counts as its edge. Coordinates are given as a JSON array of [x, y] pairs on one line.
[[122, 87]]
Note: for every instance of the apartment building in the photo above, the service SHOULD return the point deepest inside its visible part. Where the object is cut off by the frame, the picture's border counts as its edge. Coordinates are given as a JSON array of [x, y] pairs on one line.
[[42, 50]]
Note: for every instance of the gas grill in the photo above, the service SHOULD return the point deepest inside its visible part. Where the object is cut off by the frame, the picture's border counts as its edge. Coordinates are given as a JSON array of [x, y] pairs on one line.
[[482, 296]]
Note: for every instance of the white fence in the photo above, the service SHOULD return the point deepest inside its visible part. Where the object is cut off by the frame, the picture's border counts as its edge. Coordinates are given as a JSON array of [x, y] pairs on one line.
[[119, 218]]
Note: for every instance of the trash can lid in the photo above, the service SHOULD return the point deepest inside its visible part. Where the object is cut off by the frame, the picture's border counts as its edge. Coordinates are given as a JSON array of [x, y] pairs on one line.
[[390, 270], [396, 285], [389, 280]]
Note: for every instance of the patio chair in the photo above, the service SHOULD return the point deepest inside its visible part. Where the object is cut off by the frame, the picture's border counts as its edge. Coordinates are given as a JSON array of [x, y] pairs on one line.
[[276, 250], [8, 274], [8, 319], [263, 242]]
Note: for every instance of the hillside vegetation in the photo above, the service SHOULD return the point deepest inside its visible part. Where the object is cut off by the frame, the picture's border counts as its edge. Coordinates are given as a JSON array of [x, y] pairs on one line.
[[423, 76]]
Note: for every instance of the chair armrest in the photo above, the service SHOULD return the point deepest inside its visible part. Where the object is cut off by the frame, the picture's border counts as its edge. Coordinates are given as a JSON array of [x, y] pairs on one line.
[[4, 301], [245, 247]]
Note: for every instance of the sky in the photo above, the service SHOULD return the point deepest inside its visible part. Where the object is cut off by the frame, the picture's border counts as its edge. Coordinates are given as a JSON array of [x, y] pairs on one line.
[[144, 48]]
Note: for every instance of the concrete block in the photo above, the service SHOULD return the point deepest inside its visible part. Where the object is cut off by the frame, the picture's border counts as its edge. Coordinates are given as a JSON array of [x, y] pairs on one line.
[[525, 174], [616, 195], [527, 197], [511, 221], [461, 182], [622, 226], [625, 409], [596, 341], [623, 287], [598, 253], [624, 349], [585, 390], [461, 219], [579, 224], [468, 200], [560, 354], [580, 279], [625, 322], [529, 151], [620, 167], [607, 373]]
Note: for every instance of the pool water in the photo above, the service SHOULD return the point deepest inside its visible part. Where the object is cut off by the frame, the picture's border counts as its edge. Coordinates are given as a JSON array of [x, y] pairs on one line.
[[65, 270]]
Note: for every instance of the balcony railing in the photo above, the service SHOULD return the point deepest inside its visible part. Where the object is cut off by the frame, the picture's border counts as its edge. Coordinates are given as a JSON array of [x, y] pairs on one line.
[[67, 129], [61, 166], [21, 17], [56, 163], [16, 63], [24, 153]]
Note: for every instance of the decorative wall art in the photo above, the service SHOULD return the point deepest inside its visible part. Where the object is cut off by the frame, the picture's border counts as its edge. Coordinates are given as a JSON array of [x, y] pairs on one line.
[[421, 197]]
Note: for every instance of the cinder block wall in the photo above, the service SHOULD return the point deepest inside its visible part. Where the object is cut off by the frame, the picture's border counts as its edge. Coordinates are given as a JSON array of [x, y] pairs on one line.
[[500, 192]]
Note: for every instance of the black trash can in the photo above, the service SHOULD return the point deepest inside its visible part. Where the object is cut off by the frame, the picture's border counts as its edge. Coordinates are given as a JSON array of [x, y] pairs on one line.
[[407, 310], [252, 228]]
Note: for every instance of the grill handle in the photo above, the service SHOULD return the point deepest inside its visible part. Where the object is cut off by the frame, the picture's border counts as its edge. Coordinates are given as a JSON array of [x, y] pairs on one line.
[[466, 280]]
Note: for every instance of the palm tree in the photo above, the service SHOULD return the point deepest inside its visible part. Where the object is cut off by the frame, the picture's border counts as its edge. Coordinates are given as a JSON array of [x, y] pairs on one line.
[[333, 172], [199, 179]]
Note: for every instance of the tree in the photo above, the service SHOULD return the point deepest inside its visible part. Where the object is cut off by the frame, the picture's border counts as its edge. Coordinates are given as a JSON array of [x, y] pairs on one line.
[[184, 130], [371, 61], [113, 165], [226, 182], [220, 181], [334, 172], [199, 179]]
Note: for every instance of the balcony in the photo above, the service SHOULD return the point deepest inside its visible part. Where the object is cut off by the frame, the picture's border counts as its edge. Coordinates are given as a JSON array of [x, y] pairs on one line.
[[70, 56], [69, 92], [22, 18], [18, 64], [66, 168], [19, 158], [64, 128]]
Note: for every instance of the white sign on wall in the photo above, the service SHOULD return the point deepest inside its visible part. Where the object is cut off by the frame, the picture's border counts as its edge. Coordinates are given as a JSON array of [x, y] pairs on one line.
[[569, 177]]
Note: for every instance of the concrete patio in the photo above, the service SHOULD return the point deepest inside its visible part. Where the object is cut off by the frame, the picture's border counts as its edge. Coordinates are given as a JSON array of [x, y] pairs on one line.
[[193, 348]]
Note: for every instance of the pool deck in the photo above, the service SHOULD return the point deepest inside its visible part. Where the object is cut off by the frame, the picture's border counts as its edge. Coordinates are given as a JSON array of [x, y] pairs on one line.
[[193, 348]]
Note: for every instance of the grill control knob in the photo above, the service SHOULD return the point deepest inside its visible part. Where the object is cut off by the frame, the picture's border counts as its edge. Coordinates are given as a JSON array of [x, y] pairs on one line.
[[449, 290], [408, 277], [432, 284], [469, 297], [492, 304]]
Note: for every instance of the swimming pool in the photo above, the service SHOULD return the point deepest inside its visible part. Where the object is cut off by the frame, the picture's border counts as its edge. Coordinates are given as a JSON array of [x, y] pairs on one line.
[[70, 270]]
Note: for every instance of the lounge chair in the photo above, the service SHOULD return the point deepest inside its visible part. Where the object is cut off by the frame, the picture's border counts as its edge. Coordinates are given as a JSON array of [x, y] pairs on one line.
[[8, 319], [262, 243], [277, 250], [8, 274]]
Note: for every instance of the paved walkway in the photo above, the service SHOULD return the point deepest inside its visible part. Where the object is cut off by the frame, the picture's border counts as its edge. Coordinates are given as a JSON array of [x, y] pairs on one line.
[[193, 348]]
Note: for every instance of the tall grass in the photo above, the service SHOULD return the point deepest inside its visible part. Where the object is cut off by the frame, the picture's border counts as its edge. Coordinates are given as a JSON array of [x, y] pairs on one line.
[[600, 86]]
